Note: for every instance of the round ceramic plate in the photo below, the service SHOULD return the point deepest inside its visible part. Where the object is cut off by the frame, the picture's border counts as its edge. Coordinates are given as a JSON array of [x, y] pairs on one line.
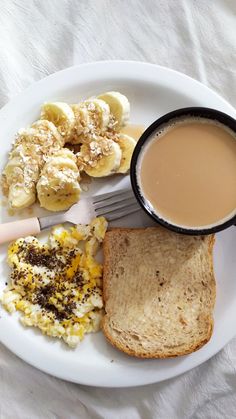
[[152, 91]]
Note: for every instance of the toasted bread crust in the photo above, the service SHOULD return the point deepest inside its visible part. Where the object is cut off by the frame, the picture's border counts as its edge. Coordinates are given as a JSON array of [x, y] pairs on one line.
[[156, 355], [123, 344]]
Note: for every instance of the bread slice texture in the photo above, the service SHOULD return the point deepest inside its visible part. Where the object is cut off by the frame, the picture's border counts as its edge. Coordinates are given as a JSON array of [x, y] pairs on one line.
[[158, 290]]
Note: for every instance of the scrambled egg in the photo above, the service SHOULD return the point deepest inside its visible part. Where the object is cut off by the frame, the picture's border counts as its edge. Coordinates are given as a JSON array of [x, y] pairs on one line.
[[57, 286]]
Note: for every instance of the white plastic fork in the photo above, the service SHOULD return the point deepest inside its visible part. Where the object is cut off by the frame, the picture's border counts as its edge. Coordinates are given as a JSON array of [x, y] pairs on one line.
[[112, 206]]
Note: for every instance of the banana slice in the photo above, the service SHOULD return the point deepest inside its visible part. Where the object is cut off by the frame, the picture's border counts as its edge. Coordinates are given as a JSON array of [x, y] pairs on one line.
[[58, 196], [21, 174], [119, 106], [99, 112], [92, 119], [101, 158], [61, 115], [61, 160], [43, 126], [42, 134], [26, 159], [10, 169], [19, 197], [82, 121], [58, 187], [127, 145], [65, 159], [81, 118]]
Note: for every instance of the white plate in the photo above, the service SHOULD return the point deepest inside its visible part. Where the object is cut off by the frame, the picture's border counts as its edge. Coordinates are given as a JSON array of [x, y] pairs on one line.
[[152, 91]]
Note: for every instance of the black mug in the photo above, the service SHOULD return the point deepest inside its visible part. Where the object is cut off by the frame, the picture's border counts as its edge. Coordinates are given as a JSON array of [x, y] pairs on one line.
[[196, 112]]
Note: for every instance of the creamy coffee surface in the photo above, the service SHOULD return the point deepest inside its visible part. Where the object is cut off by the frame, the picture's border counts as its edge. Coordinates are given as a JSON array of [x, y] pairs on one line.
[[187, 173]]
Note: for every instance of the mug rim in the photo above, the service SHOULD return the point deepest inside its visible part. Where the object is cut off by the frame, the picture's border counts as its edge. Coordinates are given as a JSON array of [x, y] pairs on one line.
[[197, 111]]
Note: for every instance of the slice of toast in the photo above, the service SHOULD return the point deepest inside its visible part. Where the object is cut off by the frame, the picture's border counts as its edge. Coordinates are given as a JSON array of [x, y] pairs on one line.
[[159, 291]]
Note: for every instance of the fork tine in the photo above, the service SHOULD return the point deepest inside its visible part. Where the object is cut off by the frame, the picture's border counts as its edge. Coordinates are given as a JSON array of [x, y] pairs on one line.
[[116, 195], [115, 215], [114, 200], [104, 209]]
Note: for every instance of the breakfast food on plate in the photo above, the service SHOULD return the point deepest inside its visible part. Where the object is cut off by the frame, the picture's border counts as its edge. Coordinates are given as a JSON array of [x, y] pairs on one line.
[[101, 158], [57, 286], [158, 290], [91, 130], [31, 147], [58, 186]]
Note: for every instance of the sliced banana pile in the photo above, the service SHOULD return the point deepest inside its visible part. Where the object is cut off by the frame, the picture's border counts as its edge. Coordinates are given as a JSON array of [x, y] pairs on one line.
[[20, 176], [102, 116], [47, 158], [105, 157], [26, 160], [58, 186], [104, 149]]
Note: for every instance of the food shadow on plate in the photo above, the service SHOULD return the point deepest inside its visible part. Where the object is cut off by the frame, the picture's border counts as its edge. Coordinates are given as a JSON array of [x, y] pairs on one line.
[[114, 356], [4, 268], [35, 334], [138, 219], [52, 341], [224, 257]]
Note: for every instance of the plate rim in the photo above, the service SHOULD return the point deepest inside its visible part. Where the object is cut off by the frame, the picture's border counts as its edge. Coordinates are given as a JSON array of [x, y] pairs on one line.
[[118, 62], [18, 98]]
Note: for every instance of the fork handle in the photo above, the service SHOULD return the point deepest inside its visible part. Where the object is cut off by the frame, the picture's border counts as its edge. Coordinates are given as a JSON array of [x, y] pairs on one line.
[[22, 228]]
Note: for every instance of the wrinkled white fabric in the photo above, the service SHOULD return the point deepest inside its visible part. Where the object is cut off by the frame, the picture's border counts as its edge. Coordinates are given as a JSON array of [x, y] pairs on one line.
[[197, 37]]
